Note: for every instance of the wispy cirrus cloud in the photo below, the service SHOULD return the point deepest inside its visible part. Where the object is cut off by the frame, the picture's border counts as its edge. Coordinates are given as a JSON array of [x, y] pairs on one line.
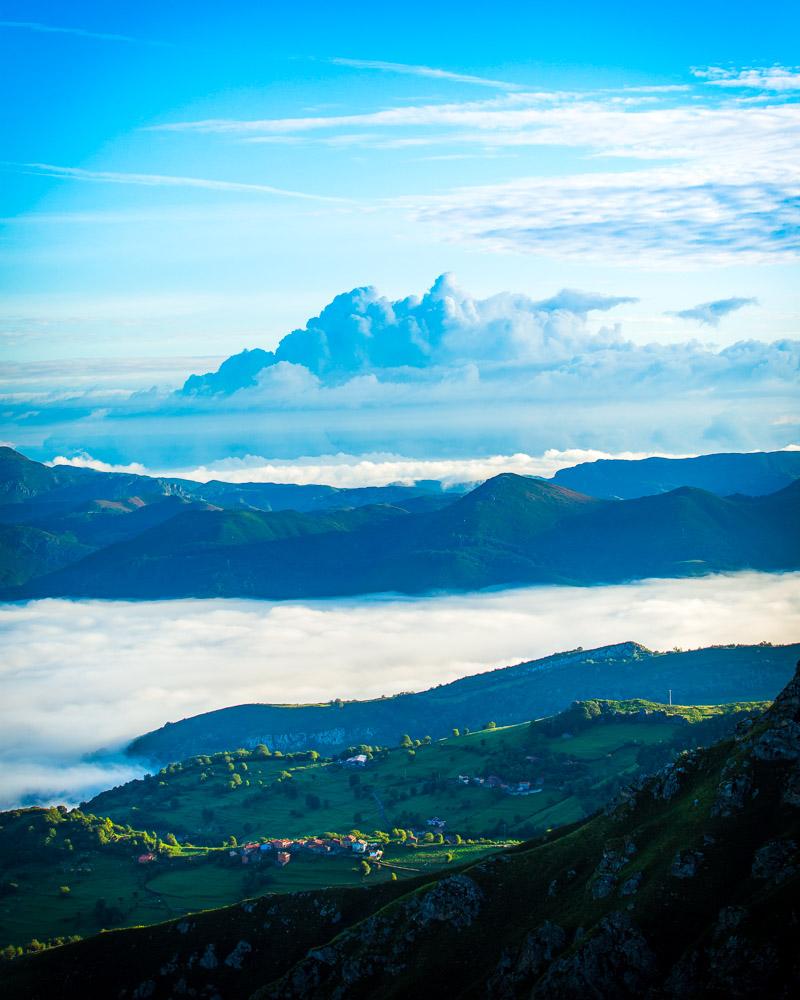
[[55, 29], [683, 217], [710, 313], [161, 180], [426, 71], [776, 78], [658, 175]]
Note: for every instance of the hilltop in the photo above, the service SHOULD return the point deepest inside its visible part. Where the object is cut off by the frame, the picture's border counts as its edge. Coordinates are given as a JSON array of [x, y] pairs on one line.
[[685, 887], [506, 695]]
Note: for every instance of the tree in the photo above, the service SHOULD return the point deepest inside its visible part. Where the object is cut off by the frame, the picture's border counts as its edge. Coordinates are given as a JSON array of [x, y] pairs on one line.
[[411, 754], [449, 856], [366, 868], [490, 725], [394, 876], [405, 741], [456, 732], [64, 891]]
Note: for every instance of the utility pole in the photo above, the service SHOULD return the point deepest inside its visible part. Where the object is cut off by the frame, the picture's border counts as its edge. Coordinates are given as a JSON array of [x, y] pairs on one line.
[[670, 696]]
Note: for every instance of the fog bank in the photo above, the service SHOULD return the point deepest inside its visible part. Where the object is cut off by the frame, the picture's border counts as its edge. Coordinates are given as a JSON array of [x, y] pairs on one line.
[[80, 676]]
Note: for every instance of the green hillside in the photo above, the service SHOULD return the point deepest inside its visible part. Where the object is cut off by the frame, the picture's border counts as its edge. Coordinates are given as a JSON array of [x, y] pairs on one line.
[[529, 690], [574, 762], [685, 887]]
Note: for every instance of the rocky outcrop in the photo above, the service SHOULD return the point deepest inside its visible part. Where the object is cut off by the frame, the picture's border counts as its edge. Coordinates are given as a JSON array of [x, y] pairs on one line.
[[519, 968], [776, 861], [686, 864], [616, 961], [735, 788]]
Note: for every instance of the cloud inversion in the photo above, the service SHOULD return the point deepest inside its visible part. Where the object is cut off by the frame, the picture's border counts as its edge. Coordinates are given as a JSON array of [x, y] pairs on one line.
[[77, 676]]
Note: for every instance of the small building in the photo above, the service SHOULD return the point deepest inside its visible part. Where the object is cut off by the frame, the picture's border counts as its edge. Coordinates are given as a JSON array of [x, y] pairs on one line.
[[359, 760], [146, 859], [375, 854], [359, 846], [282, 858]]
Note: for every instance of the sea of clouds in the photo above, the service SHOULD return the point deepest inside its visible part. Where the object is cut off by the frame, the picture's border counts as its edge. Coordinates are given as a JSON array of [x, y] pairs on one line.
[[78, 677]]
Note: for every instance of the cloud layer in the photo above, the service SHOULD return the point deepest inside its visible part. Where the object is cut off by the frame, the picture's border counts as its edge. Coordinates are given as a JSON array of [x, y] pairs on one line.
[[77, 676], [363, 470]]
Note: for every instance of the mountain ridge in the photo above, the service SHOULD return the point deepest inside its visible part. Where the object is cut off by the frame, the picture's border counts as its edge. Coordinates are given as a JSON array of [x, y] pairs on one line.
[[506, 695]]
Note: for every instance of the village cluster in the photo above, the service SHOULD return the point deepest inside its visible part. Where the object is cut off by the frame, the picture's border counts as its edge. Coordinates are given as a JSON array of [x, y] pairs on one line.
[[281, 850], [508, 787]]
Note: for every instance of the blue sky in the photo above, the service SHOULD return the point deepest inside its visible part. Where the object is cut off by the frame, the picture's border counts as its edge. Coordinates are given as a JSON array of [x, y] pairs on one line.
[[181, 181], [102, 266]]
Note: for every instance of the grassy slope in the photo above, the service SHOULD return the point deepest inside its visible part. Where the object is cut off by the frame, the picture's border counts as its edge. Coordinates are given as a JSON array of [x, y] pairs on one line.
[[577, 775], [170, 887], [611, 945]]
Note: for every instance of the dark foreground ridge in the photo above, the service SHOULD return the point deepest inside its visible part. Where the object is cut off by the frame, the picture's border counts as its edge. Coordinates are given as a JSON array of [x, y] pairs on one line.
[[685, 887], [529, 690]]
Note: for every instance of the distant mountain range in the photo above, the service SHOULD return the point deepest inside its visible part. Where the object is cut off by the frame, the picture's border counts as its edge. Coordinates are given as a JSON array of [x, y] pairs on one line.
[[528, 690], [685, 887], [78, 533], [753, 474]]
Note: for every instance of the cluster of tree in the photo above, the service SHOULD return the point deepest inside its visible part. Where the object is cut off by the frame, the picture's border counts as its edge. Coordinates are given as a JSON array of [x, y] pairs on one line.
[[37, 834], [12, 951]]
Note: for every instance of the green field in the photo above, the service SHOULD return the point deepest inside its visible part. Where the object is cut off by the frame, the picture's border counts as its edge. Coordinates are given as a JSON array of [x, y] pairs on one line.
[[196, 802], [135, 894]]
